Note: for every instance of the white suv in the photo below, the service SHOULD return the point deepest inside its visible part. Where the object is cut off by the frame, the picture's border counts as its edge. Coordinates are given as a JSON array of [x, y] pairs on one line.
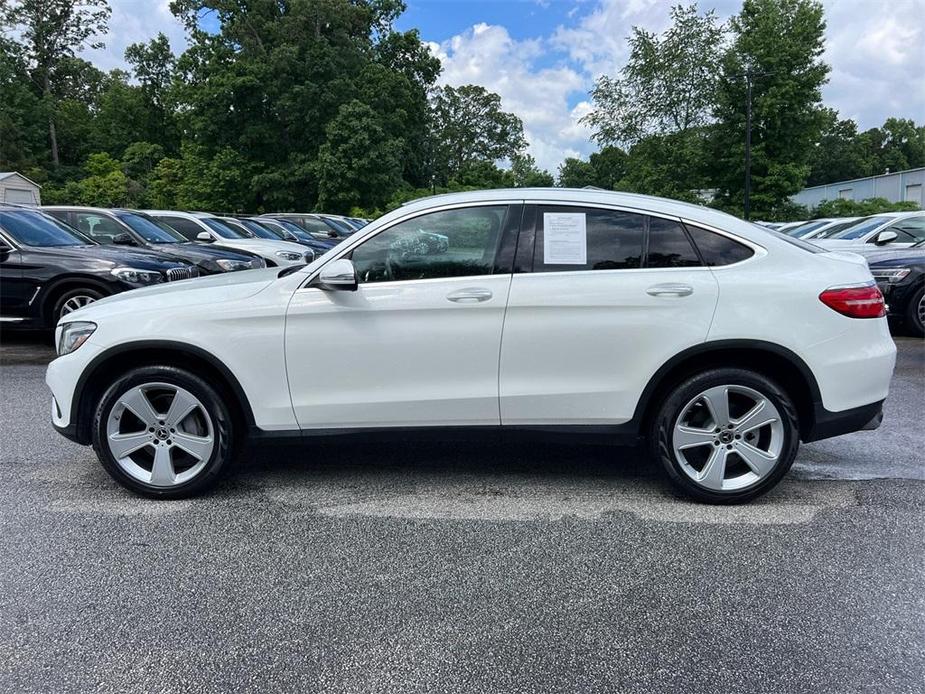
[[210, 228], [556, 312]]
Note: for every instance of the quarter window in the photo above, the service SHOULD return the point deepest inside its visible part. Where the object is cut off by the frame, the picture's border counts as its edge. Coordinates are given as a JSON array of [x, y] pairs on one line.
[[613, 240], [187, 228], [452, 243], [909, 230], [102, 229], [669, 245], [717, 249]]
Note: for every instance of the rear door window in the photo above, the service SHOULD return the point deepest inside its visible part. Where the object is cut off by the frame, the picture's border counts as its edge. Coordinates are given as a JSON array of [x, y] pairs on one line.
[[669, 245], [613, 240], [188, 228]]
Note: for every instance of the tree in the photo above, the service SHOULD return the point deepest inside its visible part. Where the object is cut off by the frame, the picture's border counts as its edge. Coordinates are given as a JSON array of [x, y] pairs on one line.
[[358, 165], [667, 85], [604, 169], [840, 154], [780, 43], [21, 113], [526, 174], [469, 128], [50, 31]]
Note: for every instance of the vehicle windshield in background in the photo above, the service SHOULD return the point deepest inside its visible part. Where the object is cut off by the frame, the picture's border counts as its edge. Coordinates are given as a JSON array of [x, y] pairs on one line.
[[222, 229], [295, 230], [342, 228], [257, 230], [834, 229], [860, 227], [150, 229], [39, 230], [805, 228]]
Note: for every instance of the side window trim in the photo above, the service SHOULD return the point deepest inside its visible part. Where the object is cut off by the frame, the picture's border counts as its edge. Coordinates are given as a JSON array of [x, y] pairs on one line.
[[757, 249]]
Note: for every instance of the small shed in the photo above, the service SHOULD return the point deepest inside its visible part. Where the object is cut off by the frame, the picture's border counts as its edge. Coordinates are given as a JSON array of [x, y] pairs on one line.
[[16, 188]]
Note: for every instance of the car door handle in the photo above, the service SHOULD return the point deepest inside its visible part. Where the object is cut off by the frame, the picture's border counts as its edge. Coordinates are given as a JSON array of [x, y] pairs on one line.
[[470, 295], [670, 289]]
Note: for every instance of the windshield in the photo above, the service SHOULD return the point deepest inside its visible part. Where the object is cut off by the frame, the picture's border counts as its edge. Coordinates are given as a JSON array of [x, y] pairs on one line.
[[340, 227], [861, 227], [295, 230], [150, 229], [801, 229], [36, 229], [834, 229], [257, 230], [222, 229]]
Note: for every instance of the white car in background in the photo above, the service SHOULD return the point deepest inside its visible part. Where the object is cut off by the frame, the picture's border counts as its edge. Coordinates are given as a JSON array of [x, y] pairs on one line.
[[830, 228], [610, 316], [209, 228], [893, 229]]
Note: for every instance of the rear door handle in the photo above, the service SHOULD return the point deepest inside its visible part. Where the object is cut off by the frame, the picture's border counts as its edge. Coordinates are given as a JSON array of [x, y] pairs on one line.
[[670, 289], [470, 295]]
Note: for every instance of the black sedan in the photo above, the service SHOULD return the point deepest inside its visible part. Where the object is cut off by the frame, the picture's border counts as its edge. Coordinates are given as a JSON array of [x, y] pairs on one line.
[[48, 269], [900, 275], [134, 228]]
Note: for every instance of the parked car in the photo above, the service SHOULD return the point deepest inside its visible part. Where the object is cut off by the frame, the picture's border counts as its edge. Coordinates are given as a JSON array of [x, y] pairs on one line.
[[831, 228], [208, 228], [314, 224], [122, 227], [900, 275], [895, 229], [255, 231], [281, 227], [48, 269], [623, 316]]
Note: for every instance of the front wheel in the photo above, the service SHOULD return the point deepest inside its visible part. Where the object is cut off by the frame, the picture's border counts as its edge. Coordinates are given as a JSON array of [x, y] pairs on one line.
[[72, 300], [726, 436], [163, 432], [915, 313]]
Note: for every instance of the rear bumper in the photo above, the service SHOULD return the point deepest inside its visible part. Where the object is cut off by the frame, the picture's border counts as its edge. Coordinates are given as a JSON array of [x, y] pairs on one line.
[[827, 424]]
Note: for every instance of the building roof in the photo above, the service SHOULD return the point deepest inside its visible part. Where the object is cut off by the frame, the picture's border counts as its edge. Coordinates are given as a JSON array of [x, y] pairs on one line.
[[7, 174]]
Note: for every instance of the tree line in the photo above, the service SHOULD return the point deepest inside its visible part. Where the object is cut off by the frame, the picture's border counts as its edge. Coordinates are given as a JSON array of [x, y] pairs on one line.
[[324, 104]]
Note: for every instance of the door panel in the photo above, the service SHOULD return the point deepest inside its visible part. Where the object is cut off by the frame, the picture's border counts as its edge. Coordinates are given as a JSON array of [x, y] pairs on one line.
[[15, 292], [579, 346]]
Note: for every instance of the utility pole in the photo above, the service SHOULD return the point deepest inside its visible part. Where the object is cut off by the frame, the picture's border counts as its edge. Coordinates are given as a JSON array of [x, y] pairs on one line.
[[748, 144]]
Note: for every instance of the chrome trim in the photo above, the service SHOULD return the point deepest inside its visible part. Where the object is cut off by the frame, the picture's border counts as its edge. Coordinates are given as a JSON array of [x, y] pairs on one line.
[[35, 294], [11, 319]]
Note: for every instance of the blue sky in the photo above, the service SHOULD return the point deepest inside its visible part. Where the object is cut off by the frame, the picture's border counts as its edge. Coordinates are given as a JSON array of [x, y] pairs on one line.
[[543, 56]]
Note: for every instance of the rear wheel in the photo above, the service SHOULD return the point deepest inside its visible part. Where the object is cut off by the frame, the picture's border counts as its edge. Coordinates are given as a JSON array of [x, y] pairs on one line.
[[915, 313], [726, 436], [74, 299], [163, 432]]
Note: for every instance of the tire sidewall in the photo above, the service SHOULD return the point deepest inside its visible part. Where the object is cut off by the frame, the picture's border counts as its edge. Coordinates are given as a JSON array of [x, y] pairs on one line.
[[222, 453], [678, 398], [912, 313], [70, 293]]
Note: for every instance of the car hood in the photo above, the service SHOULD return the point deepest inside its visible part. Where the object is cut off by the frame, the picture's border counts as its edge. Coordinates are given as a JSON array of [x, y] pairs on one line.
[[197, 252], [229, 286], [119, 256], [264, 245]]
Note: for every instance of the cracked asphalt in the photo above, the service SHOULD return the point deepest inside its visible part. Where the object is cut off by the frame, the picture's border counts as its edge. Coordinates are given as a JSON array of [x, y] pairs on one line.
[[460, 568]]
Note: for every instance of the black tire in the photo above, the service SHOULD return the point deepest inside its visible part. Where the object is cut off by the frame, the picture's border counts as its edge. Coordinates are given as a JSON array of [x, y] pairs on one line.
[[913, 319], [92, 293], [671, 408], [223, 452]]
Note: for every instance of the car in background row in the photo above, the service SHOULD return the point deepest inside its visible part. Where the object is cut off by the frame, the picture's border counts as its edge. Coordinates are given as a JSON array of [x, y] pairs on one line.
[[814, 227], [900, 274], [201, 226], [255, 231], [287, 231], [831, 228], [48, 269], [316, 225], [133, 228], [894, 229]]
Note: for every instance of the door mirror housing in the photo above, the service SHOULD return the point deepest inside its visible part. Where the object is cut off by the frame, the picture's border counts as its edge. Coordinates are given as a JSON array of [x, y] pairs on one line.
[[123, 240], [204, 236], [338, 275], [886, 236], [5, 247]]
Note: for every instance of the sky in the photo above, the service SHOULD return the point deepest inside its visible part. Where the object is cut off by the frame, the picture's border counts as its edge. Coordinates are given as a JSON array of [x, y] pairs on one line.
[[543, 56]]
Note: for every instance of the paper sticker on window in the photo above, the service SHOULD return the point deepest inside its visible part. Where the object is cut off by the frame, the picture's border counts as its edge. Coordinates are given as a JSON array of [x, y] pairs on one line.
[[565, 238]]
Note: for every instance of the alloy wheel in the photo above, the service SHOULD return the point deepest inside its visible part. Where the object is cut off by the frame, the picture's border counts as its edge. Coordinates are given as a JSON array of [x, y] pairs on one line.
[[76, 302], [160, 434], [728, 437]]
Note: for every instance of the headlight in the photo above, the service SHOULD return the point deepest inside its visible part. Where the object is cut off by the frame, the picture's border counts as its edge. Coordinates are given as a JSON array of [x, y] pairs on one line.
[[229, 265], [290, 255], [73, 335], [892, 276], [136, 276]]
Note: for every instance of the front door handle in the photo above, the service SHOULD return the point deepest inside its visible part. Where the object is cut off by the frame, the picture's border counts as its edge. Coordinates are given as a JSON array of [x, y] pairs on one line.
[[670, 289], [470, 295]]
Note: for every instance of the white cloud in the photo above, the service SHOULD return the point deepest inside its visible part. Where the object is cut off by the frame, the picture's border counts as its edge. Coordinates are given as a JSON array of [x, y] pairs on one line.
[[136, 21]]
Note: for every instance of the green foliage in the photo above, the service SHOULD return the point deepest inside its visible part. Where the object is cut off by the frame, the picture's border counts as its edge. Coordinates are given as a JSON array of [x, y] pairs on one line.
[[860, 208], [605, 169], [780, 43], [524, 173], [469, 128], [668, 84]]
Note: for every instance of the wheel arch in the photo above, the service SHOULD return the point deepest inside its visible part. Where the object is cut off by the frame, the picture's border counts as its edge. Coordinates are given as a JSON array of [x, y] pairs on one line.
[[772, 360], [115, 361], [53, 290]]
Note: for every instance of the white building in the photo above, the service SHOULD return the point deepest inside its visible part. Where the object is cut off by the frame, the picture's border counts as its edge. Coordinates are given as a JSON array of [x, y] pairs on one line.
[[17, 189], [902, 186]]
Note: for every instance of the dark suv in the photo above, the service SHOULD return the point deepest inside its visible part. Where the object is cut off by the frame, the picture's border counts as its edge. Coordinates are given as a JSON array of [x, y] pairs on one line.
[[48, 269], [133, 228]]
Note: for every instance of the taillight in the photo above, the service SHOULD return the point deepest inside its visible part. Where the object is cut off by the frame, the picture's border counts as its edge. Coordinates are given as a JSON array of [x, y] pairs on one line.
[[855, 302]]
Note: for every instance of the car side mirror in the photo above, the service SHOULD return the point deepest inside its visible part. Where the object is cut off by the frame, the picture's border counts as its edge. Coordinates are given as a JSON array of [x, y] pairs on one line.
[[310, 255], [885, 237], [5, 248], [123, 239], [338, 275], [204, 236]]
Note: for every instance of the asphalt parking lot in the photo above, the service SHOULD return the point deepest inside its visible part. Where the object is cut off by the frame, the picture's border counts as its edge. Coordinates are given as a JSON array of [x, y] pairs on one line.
[[536, 568]]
